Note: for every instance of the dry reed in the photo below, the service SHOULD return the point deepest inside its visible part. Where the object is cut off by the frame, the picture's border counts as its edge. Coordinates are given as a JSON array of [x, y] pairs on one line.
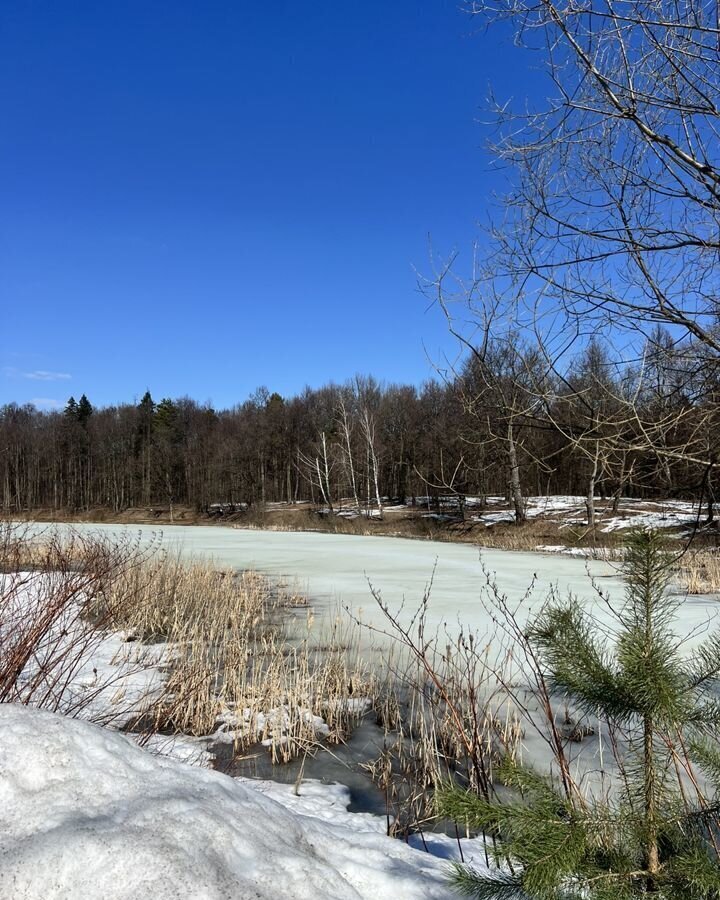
[[216, 646], [444, 718], [233, 665], [699, 571]]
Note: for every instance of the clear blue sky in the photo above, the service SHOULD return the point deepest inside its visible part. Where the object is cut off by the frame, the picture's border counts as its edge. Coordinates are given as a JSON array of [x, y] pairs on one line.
[[202, 197]]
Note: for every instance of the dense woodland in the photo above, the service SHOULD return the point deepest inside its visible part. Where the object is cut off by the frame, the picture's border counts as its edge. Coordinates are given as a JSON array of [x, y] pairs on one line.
[[506, 422]]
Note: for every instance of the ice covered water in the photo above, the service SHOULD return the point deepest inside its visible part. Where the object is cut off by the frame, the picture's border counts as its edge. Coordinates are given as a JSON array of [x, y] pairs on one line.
[[340, 569]]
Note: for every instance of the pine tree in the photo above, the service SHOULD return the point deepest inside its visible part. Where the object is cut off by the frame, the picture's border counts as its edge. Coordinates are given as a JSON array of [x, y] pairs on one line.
[[83, 410], [655, 833], [143, 444], [167, 448]]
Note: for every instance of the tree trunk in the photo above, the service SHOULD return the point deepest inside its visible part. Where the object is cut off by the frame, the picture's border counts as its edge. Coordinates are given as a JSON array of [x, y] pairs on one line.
[[514, 472], [590, 499], [349, 456], [368, 425], [652, 856]]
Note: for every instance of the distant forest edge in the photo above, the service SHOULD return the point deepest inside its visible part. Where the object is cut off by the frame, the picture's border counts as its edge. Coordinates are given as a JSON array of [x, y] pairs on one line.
[[499, 425]]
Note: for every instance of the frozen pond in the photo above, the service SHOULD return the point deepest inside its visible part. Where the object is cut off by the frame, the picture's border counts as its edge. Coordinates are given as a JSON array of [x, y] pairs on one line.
[[338, 569], [335, 571]]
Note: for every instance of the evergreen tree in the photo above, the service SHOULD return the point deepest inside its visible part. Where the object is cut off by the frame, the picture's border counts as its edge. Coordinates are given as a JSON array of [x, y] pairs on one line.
[[167, 448], [655, 833], [84, 410], [143, 444]]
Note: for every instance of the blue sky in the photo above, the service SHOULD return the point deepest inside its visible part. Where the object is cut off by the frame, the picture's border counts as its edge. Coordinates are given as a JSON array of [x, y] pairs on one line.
[[202, 197]]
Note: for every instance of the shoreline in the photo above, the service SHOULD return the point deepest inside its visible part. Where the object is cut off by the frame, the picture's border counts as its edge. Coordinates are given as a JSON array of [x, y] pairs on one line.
[[554, 525]]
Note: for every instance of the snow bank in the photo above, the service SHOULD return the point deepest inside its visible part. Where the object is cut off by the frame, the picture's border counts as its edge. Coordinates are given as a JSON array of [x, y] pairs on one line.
[[535, 507], [330, 802], [86, 814]]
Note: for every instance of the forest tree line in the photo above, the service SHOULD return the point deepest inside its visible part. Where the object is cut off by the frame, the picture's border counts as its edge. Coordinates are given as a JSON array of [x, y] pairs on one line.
[[505, 422]]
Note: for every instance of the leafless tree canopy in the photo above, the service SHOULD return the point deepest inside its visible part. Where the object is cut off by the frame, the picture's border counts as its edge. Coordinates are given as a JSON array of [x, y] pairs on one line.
[[614, 218]]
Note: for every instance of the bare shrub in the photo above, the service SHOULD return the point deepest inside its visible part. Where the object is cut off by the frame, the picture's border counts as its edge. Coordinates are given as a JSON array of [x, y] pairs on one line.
[[444, 713], [52, 631]]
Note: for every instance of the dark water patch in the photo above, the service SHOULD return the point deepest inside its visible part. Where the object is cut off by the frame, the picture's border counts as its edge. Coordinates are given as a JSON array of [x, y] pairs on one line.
[[339, 764]]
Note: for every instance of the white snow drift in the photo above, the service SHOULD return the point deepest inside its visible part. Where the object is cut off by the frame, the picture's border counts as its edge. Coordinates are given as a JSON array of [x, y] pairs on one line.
[[85, 814]]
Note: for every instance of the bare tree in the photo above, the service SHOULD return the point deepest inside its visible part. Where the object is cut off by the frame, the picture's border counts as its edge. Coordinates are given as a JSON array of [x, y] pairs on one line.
[[345, 424], [611, 226], [317, 467], [614, 216], [502, 378], [367, 424]]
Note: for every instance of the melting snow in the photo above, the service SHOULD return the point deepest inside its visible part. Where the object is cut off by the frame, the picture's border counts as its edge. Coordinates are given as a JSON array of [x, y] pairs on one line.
[[84, 813]]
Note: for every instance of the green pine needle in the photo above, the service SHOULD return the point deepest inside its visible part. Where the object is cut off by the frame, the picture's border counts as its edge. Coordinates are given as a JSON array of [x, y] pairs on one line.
[[496, 885], [636, 679]]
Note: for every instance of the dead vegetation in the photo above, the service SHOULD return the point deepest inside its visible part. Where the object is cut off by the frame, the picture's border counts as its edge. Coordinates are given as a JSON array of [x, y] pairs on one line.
[[238, 657], [443, 718], [52, 634], [234, 656], [699, 571], [215, 648]]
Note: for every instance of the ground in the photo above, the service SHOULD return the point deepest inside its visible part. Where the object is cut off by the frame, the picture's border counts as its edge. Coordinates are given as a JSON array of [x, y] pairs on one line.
[[553, 522]]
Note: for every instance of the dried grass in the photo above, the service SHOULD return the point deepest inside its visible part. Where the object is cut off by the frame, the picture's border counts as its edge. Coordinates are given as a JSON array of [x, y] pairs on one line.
[[699, 571], [230, 659], [233, 661]]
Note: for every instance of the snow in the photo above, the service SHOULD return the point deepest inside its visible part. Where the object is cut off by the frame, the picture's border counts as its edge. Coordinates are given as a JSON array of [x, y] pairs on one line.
[[606, 553], [269, 728], [350, 512], [636, 513], [330, 802], [494, 518], [187, 749], [668, 518], [535, 507], [84, 814]]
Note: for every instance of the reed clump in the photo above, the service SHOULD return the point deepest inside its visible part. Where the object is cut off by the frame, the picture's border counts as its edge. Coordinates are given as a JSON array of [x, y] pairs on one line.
[[235, 667], [128, 634], [699, 571], [445, 715]]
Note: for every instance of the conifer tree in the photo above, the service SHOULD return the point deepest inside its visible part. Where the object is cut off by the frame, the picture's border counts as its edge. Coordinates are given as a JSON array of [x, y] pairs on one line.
[[83, 410], [655, 832], [143, 444]]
